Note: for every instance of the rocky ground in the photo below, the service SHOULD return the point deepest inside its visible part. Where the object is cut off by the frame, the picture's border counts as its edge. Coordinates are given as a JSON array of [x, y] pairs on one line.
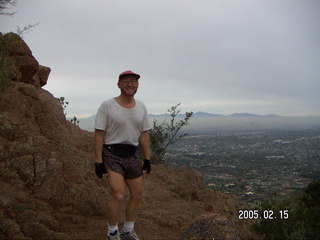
[[48, 189]]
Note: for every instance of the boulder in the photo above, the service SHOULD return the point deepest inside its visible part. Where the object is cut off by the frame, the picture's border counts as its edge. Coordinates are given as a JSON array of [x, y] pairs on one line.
[[28, 69]]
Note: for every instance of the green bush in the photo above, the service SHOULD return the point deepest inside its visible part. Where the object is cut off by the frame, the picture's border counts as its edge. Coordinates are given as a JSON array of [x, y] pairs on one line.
[[165, 134], [303, 222]]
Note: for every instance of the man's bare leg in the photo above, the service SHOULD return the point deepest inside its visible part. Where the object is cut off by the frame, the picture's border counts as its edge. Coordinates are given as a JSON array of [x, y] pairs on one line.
[[117, 189], [136, 188]]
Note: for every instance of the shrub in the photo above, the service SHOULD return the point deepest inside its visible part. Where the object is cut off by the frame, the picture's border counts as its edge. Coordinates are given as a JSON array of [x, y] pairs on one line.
[[303, 220], [165, 134]]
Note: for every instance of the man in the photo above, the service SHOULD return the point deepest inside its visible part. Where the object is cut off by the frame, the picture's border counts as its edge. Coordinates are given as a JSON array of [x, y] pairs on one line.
[[121, 130]]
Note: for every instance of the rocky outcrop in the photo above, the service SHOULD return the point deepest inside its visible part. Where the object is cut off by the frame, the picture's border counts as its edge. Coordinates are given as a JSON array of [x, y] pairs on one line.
[[28, 69], [48, 189]]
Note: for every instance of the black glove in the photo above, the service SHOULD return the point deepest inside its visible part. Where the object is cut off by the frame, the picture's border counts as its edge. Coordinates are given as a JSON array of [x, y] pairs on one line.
[[100, 169], [146, 165]]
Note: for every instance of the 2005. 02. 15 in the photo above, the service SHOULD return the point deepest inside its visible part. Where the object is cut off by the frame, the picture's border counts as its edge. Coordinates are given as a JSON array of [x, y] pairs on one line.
[[266, 214]]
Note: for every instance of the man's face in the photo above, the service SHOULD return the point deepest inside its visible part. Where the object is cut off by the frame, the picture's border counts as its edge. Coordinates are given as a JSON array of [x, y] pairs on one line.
[[128, 85]]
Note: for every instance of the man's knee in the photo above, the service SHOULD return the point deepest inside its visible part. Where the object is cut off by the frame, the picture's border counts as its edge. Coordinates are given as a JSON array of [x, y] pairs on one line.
[[118, 196]]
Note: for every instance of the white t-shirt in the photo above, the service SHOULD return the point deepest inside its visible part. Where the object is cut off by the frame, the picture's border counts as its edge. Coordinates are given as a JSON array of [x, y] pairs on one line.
[[122, 125]]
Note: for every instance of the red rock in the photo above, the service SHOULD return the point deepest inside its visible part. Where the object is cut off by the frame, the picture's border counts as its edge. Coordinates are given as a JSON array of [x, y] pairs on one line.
[[28, 68]]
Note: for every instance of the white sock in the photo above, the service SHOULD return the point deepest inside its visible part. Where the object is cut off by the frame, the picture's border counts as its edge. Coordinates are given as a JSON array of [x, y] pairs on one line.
[[112, 229], [128, 227]]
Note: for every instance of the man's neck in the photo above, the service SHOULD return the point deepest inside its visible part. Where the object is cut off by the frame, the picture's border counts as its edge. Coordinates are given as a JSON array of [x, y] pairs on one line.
[[126, 98], [126, 101]]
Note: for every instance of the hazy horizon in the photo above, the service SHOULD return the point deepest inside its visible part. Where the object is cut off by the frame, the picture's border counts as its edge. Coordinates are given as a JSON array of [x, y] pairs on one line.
[[209, 124], [199, 113]]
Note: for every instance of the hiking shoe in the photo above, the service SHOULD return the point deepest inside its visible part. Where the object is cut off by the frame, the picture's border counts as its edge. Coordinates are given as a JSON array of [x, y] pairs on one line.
[[115, 236], [129, 236]]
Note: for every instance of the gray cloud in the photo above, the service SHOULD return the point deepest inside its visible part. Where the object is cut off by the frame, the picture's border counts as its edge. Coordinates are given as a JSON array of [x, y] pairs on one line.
[[217, 56]]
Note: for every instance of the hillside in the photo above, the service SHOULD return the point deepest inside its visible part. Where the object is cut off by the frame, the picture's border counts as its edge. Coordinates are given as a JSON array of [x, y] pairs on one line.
[[48, 189]]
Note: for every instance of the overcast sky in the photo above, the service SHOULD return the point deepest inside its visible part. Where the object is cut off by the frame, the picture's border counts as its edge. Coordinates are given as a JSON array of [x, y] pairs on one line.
[[218, 56]]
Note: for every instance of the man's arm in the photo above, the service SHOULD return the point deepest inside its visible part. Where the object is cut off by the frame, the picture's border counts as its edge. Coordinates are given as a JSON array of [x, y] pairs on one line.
[[98, 145], [144, 141]]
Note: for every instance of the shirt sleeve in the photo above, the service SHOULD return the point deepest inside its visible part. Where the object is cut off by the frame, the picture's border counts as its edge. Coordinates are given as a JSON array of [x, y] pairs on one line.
[[101, 120], [146, 121]]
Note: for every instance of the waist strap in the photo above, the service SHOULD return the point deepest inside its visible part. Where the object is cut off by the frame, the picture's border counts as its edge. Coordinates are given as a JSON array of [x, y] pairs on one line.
[[121, 150]]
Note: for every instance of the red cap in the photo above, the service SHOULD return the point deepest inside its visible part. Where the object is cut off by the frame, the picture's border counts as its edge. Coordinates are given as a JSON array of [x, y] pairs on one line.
[[128, 72]]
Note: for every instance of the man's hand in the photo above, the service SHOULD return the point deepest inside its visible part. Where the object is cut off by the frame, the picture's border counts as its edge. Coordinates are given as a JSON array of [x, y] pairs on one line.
[[146, 166], [100, 169]]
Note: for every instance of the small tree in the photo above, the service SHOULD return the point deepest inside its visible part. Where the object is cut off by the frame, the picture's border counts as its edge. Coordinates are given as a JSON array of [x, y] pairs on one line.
[[26, 29], [64, 104], [165, 134], [75, 121], [5, 5]]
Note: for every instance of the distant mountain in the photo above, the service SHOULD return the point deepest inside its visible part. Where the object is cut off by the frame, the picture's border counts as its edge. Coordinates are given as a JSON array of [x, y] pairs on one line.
[[205, 114], [244, 115], [206, 122], [252, 115], [197, 114]]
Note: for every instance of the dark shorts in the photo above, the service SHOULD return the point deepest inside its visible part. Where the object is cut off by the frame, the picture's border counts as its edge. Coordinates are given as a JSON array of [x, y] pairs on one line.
[[129, 168]]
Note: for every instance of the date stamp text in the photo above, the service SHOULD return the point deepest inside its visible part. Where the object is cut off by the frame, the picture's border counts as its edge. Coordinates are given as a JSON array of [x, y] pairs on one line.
[[265, 214]]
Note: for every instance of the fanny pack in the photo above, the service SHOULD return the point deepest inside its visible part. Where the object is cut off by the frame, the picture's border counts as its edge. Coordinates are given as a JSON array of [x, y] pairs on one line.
[[121, 150]]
